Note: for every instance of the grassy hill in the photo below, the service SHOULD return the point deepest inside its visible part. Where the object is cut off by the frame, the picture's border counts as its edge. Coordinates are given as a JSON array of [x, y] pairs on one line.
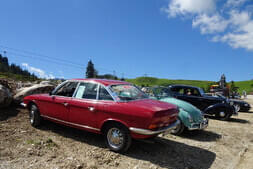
[[152, 81], [245, 85]]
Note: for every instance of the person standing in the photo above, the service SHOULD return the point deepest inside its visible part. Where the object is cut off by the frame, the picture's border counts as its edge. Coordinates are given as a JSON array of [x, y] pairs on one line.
[[244, 94]]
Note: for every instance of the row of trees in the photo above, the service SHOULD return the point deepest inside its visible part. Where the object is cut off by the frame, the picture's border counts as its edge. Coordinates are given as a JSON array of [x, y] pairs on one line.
[[15, 69], [91, 72]]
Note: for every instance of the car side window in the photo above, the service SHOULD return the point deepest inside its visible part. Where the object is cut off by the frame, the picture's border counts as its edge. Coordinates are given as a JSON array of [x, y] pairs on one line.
[[87, 91], [195, 92], [104, 94], [66, 90], [178, 91]]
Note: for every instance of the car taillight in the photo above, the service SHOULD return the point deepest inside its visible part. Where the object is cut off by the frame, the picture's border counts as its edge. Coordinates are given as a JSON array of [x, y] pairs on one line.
[[163, 118]]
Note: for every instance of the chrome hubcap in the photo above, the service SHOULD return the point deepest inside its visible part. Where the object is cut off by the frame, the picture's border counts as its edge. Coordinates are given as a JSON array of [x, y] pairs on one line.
[[115, 138], [237, 108], [222, 113], [32, 116]]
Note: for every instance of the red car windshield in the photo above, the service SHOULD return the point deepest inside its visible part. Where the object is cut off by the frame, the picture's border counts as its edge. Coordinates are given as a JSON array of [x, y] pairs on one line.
[[127, 92]]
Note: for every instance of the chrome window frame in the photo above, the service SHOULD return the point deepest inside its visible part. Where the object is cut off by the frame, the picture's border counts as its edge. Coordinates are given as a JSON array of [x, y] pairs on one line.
[[62, 84], [79, 82], [108, 90], [83, 81]]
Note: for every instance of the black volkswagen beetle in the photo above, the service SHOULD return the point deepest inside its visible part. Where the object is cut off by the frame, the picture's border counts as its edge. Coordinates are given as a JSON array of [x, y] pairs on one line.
[[221, 107], [239, 105]]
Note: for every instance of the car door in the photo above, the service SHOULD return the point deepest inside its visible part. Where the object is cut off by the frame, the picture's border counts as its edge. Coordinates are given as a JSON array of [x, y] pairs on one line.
[[193, 96], [58, 106], [178, 92], [83, 106]]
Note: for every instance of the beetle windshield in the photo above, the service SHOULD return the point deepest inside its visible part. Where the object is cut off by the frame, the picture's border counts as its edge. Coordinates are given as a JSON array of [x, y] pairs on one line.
[[127, 92], [162, 92]]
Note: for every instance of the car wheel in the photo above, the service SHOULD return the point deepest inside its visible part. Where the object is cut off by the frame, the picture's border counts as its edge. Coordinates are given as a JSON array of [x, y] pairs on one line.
[[237, 107], [34, 114], [117, 138], [179, 129], [222, 114]]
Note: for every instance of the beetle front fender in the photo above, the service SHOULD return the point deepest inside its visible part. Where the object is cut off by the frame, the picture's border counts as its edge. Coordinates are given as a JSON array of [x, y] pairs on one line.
[[211, 109], [183, 116]]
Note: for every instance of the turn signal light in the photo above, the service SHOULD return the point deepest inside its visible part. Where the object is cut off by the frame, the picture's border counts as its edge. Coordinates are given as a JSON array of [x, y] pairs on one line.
[[152, 126]]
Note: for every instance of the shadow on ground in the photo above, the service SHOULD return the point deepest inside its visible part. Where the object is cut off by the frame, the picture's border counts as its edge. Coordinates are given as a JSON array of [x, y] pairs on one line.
[[163, 152], [233, 120], [236, 120], [201, 135], [6, 113], [246, 112]]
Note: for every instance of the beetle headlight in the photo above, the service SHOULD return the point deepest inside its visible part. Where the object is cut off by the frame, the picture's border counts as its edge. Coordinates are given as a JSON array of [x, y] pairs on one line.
[[246, 104], [231, 103]]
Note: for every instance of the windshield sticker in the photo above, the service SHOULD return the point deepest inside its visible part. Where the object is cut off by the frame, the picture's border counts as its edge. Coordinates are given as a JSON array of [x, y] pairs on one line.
[[80, 92]]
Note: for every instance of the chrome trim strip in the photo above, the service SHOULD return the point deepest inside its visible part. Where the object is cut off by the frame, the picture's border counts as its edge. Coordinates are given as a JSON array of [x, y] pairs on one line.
[[23, 104], [151, 132], [79, 125]]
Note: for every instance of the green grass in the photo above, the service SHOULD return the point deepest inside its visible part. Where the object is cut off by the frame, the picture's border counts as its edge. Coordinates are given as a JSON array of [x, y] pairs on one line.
[[152, 81], [245, 85]]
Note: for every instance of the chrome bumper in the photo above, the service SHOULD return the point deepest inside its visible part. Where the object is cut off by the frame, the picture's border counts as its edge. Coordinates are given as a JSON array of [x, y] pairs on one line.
[[199, 126], [23, 104], [154, 132]]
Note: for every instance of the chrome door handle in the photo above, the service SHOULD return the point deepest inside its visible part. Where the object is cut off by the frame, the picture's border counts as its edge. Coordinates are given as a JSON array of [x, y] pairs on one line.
[[65, 104], [91, 108]]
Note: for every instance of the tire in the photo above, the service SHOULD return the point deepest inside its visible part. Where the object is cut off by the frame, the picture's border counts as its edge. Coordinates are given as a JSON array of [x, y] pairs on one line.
[[117, 137], [222, 114], [34, 115], [179, 129]]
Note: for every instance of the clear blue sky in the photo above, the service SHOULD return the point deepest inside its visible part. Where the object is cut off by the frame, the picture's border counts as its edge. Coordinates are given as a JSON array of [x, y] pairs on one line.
[[134, 37]]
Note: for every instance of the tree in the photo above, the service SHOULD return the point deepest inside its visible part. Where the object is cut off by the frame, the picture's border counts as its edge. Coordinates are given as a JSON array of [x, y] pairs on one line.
[[91, 72], [7, 68]]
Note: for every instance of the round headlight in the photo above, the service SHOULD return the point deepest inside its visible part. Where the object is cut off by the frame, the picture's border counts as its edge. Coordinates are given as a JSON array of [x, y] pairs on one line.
[[190, 118], [246, 104], [231, 103]]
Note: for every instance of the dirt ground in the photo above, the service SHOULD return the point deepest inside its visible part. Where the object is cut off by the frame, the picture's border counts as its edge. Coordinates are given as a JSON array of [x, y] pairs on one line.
[[222, 145]]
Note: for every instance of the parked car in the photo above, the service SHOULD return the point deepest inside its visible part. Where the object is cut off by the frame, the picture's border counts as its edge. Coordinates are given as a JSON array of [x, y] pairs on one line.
[[190, 117], [239, 105], [119, 110], [222, 108]]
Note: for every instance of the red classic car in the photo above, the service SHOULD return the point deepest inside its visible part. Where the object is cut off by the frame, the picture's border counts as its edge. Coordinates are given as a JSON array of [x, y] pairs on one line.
[[117, 109]]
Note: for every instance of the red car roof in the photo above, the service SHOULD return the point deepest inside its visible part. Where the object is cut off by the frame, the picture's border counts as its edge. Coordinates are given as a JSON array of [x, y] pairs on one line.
[[103, 81]]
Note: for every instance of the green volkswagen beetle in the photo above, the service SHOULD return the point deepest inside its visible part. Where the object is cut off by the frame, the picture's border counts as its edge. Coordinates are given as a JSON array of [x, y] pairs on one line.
[[190, 117]]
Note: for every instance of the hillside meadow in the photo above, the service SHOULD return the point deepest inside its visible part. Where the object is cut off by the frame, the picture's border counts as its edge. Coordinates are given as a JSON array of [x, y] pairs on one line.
[[152, 81]]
